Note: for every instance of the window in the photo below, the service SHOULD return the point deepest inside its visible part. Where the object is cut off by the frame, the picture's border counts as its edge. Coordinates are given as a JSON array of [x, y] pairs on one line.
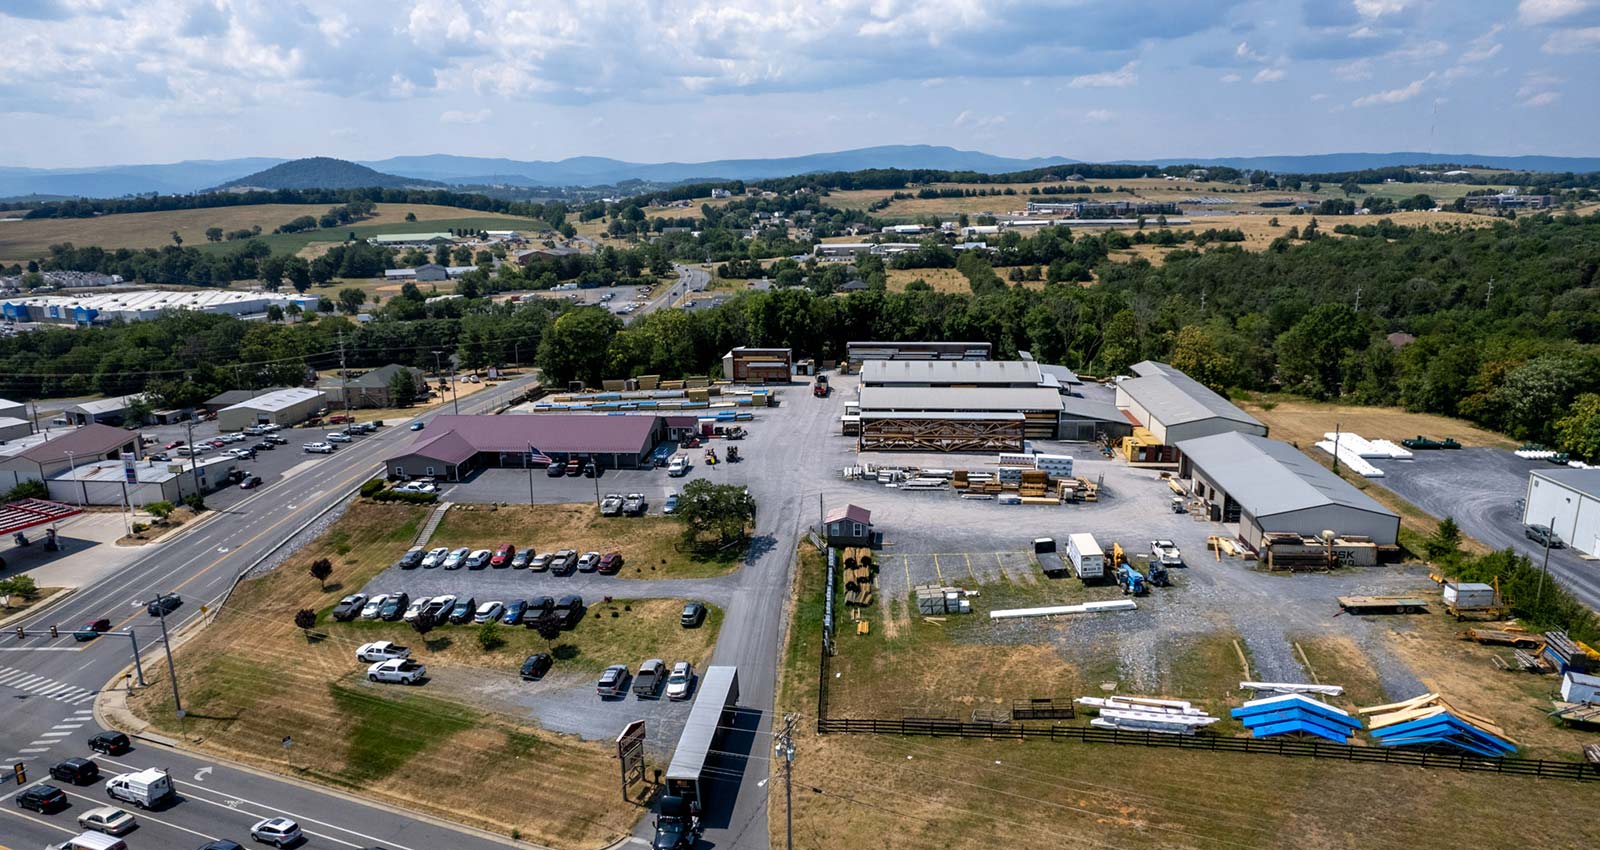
[[428, 470], [399, 472]]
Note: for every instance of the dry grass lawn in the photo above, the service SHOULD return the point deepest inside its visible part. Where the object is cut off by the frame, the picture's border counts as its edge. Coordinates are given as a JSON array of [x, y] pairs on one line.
[[947, 280], [647, 543], [251, 677], [1304, 422], [24, 240]]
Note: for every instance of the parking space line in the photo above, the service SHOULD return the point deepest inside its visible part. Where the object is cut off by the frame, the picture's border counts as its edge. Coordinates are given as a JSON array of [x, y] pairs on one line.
[[936, 571], [970, 571], [905, 564]]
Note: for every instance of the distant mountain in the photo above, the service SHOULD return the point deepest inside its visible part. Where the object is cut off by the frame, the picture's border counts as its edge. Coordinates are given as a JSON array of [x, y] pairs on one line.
[[322, 172], [113, 181], [598, 171], [1335, 162]]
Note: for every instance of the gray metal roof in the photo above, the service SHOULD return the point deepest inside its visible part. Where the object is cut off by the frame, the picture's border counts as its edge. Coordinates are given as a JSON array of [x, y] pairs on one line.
[[700, 729], [968, 399], [279, 400], [102, 406], [1585, 481], [1074, 407], [947, 415], [1268, 477], [1002, 372], [1061, 373], [1173, 398]]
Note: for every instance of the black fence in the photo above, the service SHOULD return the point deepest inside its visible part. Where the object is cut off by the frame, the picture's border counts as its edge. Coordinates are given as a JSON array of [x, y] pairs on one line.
[[949, 728], [1042, 709]]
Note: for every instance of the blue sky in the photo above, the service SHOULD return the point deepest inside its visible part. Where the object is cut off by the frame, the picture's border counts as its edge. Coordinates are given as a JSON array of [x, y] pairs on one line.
[[85, 82]]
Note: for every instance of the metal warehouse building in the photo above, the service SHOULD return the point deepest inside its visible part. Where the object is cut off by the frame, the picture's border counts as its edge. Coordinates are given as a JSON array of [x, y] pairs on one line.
[[956, 418], [860, 352], [951, 373], [758, 365], [284, 407], [454, 447], [1170, 407], [1268, 486], [1567, 500]]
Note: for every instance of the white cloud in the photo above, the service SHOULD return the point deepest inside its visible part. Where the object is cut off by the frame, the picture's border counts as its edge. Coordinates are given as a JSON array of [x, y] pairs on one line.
[[1231, 78], [1354, 70], [1120, 78], [1545, 11], [1399, 95], [1573, 40], [1268, 75], [1319, 96], [1421, 51], [1243, 51], [977, 121], [1544, 98], [1380, 8], [457, 116], [1097, 116], [1538, 81]]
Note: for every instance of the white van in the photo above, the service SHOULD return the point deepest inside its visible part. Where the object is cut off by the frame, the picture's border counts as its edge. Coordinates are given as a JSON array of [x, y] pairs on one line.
[[1088, 559], [90, 841]]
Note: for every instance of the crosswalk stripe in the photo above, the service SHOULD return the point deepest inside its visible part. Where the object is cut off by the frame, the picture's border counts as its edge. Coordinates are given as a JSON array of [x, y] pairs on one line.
[[50, 688]]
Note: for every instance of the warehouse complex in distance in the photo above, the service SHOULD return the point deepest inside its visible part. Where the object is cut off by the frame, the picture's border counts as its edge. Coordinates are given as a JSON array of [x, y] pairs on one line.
[[143, 305]]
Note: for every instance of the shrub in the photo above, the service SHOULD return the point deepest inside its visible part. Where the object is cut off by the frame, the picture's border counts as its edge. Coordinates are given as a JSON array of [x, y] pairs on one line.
[[489, 638], [30, 489], [372, 488], [320, 569], [195, 502], [140, 528], [160, 510], [411, 498]]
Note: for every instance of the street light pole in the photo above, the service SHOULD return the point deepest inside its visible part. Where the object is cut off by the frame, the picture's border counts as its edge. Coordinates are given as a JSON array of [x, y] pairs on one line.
[[1550, 531], [194, 459], [166, 644], [72, 468]]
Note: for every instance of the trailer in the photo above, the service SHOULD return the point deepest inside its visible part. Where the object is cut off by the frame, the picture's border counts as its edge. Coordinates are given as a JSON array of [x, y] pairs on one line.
[[689, 776], [1088, 559], [1383, 604], [1044, 551]]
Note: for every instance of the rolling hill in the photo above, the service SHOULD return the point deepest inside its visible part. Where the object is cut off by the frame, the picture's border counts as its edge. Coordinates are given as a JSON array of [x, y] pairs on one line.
[[321, 172]]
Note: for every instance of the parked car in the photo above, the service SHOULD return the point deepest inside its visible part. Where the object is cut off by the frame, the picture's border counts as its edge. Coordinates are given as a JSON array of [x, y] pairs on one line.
[[694, 613], [277, 440], [255, 430], [279, 832], [536, 665], [611, 505], [163, 604], [319, 448], [110, 743], [555, 470], [78, 771], [502, 556], [478, 559], [412, 558], [647, 682], [634, 504], [373, 606], [435, 557], [242, 454], [564, 562], [538, 606], [382, 650], [250, 482], [678, 466], [402, 671], [488, 612], [613, 682], [439, 609], [1542, 535], [610, 563], [43, 799], [569, 609], [540, 563], [107, 819], [589, 562], [172, 445], [394, 607], [456, 558], [515, 609], [416, 607], [671, 504], [337, 437], [92, 629], [349, 607], [680, 681], [574, 466], [520, 560], [463, 610], [264, 446]]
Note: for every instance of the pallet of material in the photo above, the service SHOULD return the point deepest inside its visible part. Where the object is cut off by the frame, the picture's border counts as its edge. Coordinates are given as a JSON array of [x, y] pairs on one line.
[[958, 479], [1040, 500], [1566, 653], [1292, 688]]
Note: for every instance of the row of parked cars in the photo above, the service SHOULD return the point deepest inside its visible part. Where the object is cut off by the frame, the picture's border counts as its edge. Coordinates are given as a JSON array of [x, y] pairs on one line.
[[649, 681], [616, 504], [562, 562], [454, 610]]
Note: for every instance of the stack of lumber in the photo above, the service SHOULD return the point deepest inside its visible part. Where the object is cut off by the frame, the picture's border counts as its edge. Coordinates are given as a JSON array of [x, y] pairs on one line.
[[858, 576], [1292, 688], [958, 479], [1428, 722], [1296, 714], [1566, 653], [1033, 483], [1146, 714]]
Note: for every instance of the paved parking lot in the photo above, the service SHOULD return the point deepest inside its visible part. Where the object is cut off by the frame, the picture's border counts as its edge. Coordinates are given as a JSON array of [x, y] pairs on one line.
[[1479, 488]]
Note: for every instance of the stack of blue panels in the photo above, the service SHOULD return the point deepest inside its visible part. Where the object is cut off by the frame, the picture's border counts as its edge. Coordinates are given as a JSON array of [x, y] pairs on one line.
[[1296, 714]]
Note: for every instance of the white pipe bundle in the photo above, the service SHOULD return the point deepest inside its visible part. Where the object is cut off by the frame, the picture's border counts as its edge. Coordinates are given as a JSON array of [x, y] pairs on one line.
[[1084, 608]]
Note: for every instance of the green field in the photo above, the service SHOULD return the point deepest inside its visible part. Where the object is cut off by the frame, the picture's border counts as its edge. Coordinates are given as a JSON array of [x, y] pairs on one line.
[[289, 243]]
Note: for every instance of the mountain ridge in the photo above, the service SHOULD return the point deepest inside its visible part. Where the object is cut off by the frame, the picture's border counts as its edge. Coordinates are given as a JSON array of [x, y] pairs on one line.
[[323, 172]]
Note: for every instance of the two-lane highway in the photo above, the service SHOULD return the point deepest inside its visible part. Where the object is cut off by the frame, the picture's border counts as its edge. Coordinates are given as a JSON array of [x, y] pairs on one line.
[[48, 685]]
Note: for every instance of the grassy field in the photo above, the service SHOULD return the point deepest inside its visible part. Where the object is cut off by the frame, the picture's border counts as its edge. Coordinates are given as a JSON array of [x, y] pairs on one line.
[[1304, 422], [465, 219], [251, 677], [918, 792], [28, 239], [647, 543]]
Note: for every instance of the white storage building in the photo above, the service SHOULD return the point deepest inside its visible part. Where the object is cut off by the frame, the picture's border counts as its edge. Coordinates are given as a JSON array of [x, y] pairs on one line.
[[284, 407], [105, 482], [1567, 500], [1175, 407]]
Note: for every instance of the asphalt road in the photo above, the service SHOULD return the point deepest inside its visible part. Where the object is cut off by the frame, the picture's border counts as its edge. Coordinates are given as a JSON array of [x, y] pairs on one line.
[[48, 685]]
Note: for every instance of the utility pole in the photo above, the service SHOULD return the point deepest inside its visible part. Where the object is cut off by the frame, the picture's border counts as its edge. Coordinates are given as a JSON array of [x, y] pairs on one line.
[[72, 466], [1545, 570], [194, 458], [166, 643], [138, 666], [344, 381], [784, 749], [1358, 299], [1336, 448]]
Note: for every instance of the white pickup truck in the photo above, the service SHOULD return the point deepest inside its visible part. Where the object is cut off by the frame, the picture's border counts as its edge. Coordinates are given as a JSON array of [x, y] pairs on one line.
[[146, 788], [1165, 553]]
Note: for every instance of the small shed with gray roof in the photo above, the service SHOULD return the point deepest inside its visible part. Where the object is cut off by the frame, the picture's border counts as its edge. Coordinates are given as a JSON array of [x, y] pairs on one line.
[[1174, 407], [1269, 486]]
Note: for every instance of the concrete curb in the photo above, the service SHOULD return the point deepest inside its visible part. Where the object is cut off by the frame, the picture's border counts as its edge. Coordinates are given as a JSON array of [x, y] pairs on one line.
[[64, 595]]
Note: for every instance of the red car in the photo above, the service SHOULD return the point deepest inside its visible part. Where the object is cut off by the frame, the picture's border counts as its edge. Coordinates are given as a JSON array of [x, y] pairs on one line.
[[217, 444], [502, 556], [174, 444], [610, 563]]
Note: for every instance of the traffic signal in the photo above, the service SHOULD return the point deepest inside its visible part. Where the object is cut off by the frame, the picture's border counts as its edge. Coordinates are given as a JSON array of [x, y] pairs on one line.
[[21, 770], [53, 632], [21, 632]]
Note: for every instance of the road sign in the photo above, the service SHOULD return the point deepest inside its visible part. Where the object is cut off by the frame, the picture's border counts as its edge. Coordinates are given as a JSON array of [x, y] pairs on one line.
[[630, 753]]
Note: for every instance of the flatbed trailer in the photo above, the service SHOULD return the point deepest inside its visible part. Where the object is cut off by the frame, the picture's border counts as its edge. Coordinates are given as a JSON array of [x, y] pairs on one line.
[[1383, 604]]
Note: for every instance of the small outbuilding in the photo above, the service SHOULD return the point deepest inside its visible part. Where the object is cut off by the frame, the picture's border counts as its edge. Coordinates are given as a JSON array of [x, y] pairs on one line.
[[1580, 687], [745, 365], [850, 525]]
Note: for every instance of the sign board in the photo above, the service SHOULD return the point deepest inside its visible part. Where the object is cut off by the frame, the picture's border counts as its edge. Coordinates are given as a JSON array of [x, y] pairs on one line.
[[129, 472], [21, 771], [493, 373], [630, 753]]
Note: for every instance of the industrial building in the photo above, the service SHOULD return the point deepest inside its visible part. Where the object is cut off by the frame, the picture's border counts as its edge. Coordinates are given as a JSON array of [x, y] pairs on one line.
[[1568, 501], [39, 457], [1267, 486], [12, 428], [861, 352], [283, 407], [454, 447], [371, 389], [1087, 420], [956, 418], [138, 483], [745, 365], [1170, 407], [143, 305], [992, 374], [228, 398], [849, 250], [428, 272], [13, 409]]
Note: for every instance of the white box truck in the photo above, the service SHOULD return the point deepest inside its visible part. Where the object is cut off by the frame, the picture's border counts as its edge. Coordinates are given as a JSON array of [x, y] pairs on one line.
[[1088, 561], [148, 787]]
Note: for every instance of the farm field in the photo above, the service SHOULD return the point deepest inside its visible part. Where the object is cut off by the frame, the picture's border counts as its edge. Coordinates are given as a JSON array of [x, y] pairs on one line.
[[32, 238], [946, 280]]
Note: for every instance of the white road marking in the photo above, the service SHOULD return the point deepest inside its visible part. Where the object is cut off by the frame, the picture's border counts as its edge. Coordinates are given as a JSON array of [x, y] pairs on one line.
[[67, 726], [145, 815], [55, 735], [35, 750], [41, 649], [40, 821]]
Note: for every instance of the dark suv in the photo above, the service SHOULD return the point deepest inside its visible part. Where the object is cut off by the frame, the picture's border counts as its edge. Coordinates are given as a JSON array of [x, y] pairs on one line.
[[110, 743], [163, 604], [44, 799], [77, 771]]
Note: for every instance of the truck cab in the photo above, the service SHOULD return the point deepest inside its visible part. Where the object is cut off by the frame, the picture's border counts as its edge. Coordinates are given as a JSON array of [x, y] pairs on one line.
[[677, 825]]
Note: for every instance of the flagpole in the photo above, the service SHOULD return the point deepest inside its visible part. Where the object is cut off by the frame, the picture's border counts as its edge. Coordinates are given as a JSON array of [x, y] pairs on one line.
[[530, 475]]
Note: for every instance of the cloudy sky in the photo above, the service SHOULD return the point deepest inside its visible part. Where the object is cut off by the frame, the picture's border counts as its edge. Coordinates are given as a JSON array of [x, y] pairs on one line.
[[86, 82]]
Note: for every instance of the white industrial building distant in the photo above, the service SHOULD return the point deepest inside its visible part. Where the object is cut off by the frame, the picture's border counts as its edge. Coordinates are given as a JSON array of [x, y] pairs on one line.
[[105, 482], [1568, 501], [284, 407], [1270, 486], [143, 305]]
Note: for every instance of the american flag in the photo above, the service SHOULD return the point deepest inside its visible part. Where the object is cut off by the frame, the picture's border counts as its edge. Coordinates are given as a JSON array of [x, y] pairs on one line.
[[536, 456]]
